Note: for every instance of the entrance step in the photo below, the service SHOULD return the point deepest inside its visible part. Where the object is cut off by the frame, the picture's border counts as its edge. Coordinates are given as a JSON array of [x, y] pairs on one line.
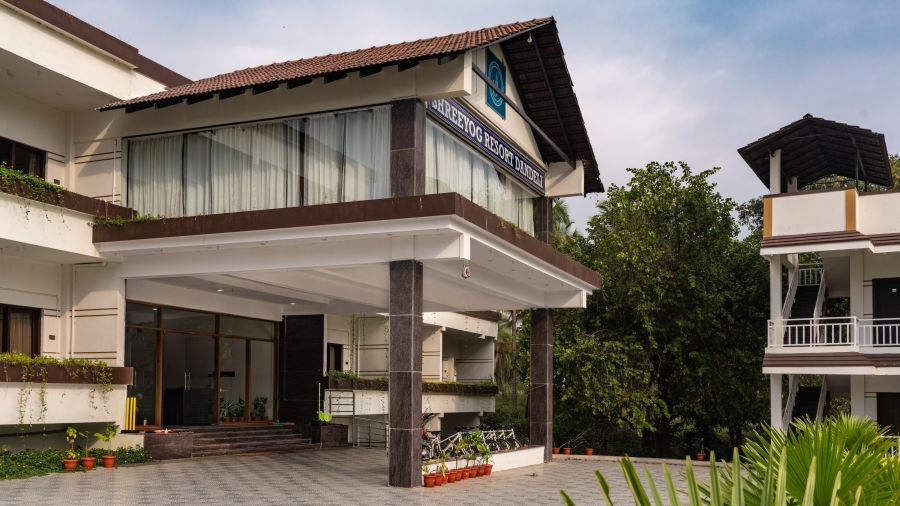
[[231, 440]]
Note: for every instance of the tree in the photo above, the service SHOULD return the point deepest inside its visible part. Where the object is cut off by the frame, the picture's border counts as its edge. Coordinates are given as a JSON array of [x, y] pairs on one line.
[[681, 311]]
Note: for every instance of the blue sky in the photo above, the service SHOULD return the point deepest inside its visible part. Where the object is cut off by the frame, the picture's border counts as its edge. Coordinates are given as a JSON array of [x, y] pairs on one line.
[[657, 80]]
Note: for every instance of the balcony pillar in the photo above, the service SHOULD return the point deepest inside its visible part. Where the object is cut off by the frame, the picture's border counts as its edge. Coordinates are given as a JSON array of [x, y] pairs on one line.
[[858, 396], [857, 278], [775, 172], [540, 422], [776, 409], [775, 296], [407, 148], [405, 379]]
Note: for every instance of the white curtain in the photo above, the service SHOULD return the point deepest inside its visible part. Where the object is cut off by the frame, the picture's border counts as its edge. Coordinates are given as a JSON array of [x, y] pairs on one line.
[[230, 166], [197, 175], [267, 176], [347, 156], [451, 166], [322, 159], [344, 157], [21, 326], [293, 139], [154, 175]]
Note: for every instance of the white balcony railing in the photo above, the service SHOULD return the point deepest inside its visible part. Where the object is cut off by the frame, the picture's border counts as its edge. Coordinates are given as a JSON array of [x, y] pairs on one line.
[[832, 332]]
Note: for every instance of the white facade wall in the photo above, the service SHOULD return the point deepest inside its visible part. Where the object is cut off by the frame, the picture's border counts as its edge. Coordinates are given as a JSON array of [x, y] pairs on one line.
[[808, 213]]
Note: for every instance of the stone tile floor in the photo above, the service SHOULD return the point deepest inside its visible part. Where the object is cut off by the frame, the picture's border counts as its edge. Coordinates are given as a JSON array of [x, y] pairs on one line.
[[337, 476]]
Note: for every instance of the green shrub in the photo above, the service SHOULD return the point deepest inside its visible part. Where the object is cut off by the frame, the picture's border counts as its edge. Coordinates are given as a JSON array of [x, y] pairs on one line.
[[29, 463]]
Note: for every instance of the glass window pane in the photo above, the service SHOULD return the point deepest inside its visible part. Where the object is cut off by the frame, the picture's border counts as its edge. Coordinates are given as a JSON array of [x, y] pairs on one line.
[[188, 320], [232, 377], [29, 161], [246, 327], [262, 364], [140, 353], [140, 314], [21, 331]]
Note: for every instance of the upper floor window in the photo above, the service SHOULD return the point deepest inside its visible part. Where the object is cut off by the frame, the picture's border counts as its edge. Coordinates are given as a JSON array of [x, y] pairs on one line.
[[320, 159], [452, 166], [22, 158], [20, 330]]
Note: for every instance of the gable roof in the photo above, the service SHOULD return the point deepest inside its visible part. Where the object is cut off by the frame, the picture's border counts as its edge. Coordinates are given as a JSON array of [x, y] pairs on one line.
[[350, 61], [536, 64], [62, 21], [812, 148]]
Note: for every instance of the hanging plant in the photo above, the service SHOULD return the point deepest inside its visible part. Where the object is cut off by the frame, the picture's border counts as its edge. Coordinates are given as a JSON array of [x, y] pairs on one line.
[[30, 187]]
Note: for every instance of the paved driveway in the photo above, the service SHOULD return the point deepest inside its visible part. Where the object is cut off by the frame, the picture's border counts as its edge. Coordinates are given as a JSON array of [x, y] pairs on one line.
[[341, 476]]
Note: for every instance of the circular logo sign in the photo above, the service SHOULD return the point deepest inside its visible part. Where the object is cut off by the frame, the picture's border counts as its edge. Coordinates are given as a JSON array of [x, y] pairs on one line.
[[496, 74]]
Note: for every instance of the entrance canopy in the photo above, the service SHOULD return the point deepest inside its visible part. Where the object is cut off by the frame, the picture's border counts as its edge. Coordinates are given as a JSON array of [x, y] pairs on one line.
[[813, 148], [335, 258]]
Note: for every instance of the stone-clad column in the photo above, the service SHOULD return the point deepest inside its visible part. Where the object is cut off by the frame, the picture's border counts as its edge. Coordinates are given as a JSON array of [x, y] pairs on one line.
[[407, 148], [405, 381], [540, 422]]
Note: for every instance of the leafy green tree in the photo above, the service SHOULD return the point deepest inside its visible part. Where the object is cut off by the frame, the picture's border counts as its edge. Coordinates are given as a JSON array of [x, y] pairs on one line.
[[681, 312]]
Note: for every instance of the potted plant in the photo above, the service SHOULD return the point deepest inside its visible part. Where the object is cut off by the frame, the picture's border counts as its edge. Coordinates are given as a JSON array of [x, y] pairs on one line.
[[108, 434], [445, 473], [701, 455], [588, 451], [459, 449], [86, 460], [555, 450], [70, 458], [567, 451], [259, 408], [486, 455], [427, 477], [226, 407]]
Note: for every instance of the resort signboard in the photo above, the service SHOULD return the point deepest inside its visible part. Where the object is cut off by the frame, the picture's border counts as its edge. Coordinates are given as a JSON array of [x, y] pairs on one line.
[[465, 123]]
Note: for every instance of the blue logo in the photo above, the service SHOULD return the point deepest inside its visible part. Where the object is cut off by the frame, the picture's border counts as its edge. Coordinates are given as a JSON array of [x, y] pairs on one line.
[[496, 72]]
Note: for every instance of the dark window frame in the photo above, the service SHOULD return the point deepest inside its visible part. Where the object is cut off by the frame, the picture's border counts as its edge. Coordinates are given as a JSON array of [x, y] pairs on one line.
[[338, 357], [41, 171], [35, 329]]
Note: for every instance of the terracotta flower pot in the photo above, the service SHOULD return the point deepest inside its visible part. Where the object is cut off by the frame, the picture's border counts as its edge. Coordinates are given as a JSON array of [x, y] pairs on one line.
[[429, 480], [109, 461], [556, 451], [438, 479], [88, 462], [567, 451], [588, 451], [70, 464], [487, 469], [464, 473], [456, 475], [479, 470], [701, 456]]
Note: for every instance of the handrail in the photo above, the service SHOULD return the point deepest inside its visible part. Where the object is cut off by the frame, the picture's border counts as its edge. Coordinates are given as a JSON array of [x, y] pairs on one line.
[[380, 429], [807, 332], [877, 332], [820, 303], [823, 397], [793, 387], [791, 294], [810, 274]]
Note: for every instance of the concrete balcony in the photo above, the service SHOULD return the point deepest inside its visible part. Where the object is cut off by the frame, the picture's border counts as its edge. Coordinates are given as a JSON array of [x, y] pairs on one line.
[[834, 335], [839, 219]]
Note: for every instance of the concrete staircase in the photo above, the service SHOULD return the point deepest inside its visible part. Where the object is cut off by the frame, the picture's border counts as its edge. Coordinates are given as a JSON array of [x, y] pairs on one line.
[[233, 440]]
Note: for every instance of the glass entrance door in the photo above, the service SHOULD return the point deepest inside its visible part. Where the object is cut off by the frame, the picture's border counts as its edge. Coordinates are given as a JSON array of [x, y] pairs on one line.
[[189, 372]]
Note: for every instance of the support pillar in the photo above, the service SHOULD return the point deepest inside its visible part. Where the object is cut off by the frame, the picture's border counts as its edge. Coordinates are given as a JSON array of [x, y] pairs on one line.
[[407, 148], [775, 172], [405, 380], [858, 396], [776, 409], [540, 423], [775, 297]]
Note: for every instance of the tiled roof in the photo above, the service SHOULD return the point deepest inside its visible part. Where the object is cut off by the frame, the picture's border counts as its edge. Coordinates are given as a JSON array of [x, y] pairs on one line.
[[339, 63]]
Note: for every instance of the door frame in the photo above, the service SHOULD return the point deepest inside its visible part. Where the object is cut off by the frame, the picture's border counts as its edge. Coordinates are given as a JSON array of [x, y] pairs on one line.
[[158, 329], [875, 283]]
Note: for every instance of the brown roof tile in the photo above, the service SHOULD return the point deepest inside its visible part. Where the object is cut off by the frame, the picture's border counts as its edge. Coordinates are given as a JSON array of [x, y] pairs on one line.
[[340, 62]]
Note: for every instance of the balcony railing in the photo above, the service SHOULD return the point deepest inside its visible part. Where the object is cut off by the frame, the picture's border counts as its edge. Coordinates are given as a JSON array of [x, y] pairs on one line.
[[847, 333]]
